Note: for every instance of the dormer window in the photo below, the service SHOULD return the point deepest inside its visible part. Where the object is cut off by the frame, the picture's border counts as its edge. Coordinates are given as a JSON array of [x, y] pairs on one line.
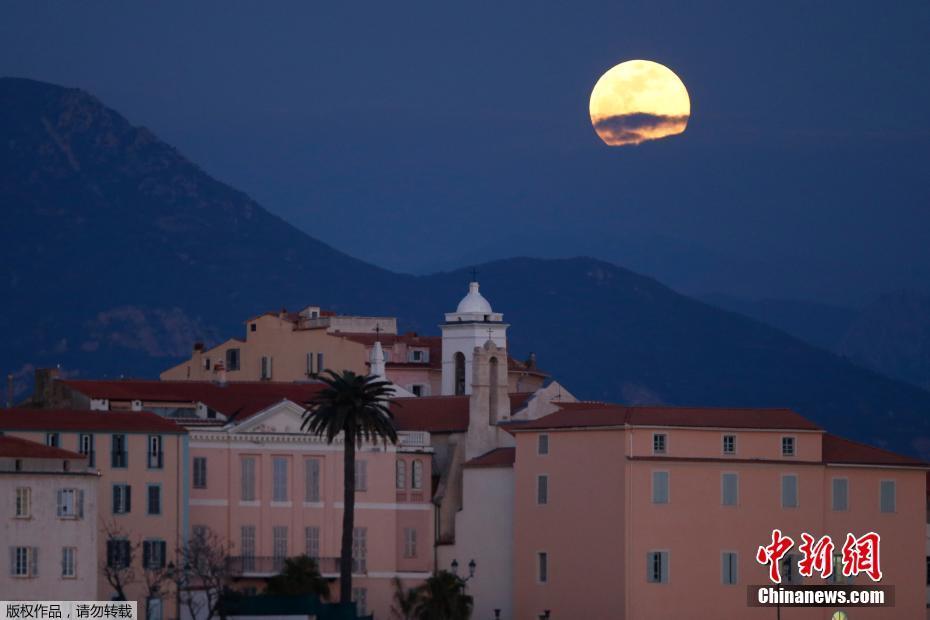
[[253, 327], [787, 446], [658, 443]]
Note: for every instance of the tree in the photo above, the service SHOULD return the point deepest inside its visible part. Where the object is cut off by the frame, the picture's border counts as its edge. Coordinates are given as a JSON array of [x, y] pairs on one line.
[[300, 576], [202, 574], [118, 569], [358, 408], [442, 597], [405, 601]]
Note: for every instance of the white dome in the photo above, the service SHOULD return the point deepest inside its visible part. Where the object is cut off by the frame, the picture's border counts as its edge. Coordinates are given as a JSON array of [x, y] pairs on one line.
[[474, 302]]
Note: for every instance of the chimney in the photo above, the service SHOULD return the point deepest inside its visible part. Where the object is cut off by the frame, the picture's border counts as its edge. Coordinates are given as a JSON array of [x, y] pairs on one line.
[[44, 377], [531, 361], [219, 370]]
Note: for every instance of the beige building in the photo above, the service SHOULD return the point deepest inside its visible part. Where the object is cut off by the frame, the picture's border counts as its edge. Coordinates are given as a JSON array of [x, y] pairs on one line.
[[284, 346], [49, 525]]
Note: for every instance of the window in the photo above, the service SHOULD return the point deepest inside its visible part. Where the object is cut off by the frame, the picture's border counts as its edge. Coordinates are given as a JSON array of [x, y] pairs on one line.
[[119, 553], [70, 504], [248, 478], [153, 608], [86, 447], [416, 356], [840, 494], [24, 561], [206, 363], [361, 475], [542, 567], [312, 480], [118, 455], [789, 573], [279, 545], [23, 502], [729, 444], [729, 489], [400, 474], [232, 359], [660, 487], [418, 389], [729, 571], [200, 472], [542, 490], [360, 598], [155, 459], [319, 363], [279, 481], [253, 327], [67, 562], [410, 542], [153, 554], [417, 474], [311, 365], [657, 567], [247, 547], [458, 361], [359, 550], [154, 499], [122, 499], [53, 440], [887, 493], [542, 444], [312, 537], [789, 491], [266, 367], [658, 443], [787, 446]]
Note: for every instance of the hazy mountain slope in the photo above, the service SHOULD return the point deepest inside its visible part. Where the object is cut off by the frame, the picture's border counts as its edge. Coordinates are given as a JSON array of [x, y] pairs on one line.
[[118, 252]]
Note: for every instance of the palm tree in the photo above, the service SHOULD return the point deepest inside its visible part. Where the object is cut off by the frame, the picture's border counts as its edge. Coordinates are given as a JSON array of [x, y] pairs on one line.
[[405, 601], [443, 597], [300, 576], [358, 407]]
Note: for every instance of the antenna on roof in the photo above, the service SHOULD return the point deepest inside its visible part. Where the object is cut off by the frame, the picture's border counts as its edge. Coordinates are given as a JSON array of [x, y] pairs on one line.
[[474, 274], [378, 331]]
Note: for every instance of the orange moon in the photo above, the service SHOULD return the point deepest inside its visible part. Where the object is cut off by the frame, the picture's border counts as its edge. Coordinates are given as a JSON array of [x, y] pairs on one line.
[[639, 100]]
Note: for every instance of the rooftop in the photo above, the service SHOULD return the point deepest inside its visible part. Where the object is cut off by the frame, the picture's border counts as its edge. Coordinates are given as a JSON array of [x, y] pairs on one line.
[[498, 457], [17, 448], [235, 399], [839, 451], [601, 415], [441, 414], [83, 420]]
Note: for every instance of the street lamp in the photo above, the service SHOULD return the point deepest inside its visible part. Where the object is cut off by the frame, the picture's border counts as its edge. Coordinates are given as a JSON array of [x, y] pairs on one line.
[[497, 614], [544, 615], [472, 565]]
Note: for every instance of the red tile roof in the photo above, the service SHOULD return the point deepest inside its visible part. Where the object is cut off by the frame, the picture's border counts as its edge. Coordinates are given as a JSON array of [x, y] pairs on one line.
[[17, 448], [235, 399], [440, 414], [594, 415], [838, 450], [83, 420], [499, 457]]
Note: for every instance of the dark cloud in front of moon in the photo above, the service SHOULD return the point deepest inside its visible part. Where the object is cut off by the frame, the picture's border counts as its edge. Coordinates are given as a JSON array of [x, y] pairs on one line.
[[622, 129]]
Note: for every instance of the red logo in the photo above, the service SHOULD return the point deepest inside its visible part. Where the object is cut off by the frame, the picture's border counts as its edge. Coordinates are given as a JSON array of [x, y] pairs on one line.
[[859, 555]]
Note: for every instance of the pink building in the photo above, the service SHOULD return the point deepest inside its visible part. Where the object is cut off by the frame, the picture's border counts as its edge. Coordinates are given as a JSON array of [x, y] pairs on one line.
[[142, 462], [657, 512], [49, 523], [274, 492]]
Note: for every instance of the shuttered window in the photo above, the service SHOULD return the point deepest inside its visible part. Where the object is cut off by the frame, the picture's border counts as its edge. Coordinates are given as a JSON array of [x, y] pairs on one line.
[[789, 491], [660, 487], [312, 480], [248, 478], [657, 567], [888, 499], [840, 494], [729, 489]]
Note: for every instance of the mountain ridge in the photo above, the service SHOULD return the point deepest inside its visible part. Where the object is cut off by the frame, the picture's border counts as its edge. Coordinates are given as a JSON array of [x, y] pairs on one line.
[[120, 250]]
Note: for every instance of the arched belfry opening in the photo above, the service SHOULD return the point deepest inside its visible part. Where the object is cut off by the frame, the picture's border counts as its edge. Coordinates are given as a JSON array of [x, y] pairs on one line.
[[493, 396], [459, 359]]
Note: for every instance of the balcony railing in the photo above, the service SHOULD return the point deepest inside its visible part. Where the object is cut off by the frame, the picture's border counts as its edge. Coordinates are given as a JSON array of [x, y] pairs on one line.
[[413, 439], [268, 566]]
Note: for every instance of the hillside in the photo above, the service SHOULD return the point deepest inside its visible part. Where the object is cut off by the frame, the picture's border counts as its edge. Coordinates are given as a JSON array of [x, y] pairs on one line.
[[119, 252]]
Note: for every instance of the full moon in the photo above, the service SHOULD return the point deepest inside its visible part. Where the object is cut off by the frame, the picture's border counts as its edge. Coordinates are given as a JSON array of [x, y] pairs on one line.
[[639, 100]]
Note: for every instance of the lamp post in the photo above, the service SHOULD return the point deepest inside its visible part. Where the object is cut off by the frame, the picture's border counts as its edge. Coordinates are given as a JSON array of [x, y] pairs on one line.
[[544, 615], [472, 565], [497, 614]]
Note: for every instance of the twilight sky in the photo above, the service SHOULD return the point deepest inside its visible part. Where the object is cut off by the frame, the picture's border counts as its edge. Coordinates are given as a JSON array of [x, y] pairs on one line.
[[430, 135]]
